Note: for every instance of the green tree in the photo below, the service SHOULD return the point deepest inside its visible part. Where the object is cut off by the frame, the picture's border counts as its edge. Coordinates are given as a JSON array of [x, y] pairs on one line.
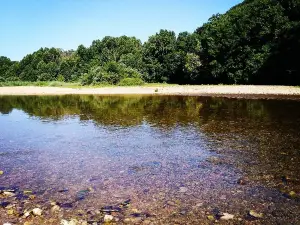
[[160, 56], [237, 44]]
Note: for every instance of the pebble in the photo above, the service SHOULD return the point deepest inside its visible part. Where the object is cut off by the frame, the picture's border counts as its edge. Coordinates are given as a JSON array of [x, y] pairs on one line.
[[55, 209], [8, 194], [183, 189], [26, 214], [242, 181], [199, 204], [292, 194], [133, 220], [223, 197], [1, 172], [108, 218], [256, 214], [71, 222], [10, 212], [227, 216], [210, 217], [37, 211], [170, 203], [26, 192]]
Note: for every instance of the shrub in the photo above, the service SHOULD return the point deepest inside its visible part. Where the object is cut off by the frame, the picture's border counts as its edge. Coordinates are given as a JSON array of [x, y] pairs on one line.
[[60, 78], [131, 82], [86, 79]]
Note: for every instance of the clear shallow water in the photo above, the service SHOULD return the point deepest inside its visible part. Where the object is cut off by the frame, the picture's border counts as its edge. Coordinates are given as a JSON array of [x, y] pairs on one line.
[[178, 159]]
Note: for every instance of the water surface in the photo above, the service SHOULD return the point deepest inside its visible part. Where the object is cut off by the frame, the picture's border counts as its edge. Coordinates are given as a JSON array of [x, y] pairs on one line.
[[177, 160]]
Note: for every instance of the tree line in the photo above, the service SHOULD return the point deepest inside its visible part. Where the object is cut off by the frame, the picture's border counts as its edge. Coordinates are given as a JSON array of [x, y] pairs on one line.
[[255, 42]]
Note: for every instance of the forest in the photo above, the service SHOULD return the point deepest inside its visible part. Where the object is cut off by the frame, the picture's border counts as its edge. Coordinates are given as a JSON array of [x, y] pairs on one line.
[[255, 42]]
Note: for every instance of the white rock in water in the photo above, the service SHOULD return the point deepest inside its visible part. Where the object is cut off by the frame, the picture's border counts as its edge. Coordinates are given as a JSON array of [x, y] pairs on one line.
[[26, 214], [9, 194], [183, 189], [227, 216], [37, 211], [55, 209], [108, 218], [71, 222], [7, 224]]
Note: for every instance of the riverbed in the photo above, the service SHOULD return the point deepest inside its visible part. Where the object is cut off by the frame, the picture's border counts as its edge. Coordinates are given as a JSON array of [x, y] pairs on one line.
[[149, 160]]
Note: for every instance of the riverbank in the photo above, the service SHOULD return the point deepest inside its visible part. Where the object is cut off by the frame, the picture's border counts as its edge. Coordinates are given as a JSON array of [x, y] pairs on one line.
[[197, 90]]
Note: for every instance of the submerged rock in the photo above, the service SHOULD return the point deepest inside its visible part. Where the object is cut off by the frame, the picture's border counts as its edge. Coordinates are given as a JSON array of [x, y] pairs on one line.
[[82, 195], [227, 216], [242, 181], [27, 192], [55, 209], [292, 194], [109, 209], [67, 205], [26, 214], [71, 222], [63, 190], [255, 214], [37, 212], [126, 203], [8, 194], [183, 189], [133, 220], [210, 217], [10, 212], [108, 218], [1, 172]]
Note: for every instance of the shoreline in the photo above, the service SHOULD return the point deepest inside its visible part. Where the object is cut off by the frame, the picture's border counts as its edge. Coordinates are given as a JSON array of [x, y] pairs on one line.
[[233, 91]]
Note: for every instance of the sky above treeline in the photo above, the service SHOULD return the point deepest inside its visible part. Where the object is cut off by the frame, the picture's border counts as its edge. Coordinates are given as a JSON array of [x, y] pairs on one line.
[[29, 25]]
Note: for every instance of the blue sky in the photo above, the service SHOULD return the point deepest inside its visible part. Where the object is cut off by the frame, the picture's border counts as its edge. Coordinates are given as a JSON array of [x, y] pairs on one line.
[[27, 25]]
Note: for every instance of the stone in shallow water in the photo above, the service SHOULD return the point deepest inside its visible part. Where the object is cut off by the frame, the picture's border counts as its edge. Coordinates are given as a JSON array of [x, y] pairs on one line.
[[255, 214], [71, 222], [292, 194], [37, 211], [210, 217], [108, 218], [227, 216], [63, 190], [10, 212], [81, 195], [242, 181], [67, 205], [8, 194], [183, 189], [55, 209], [1, 172]]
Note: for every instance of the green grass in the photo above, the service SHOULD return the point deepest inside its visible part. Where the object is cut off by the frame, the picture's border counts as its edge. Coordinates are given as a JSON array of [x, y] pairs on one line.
[[39, 84], [74, 84]]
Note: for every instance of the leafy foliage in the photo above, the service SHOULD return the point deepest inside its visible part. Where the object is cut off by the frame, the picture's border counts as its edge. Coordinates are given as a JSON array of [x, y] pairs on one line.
[[255, 42]]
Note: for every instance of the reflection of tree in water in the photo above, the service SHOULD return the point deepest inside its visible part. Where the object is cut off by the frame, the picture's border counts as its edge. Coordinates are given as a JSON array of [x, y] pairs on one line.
[[159, 110], [121, 111], [268, 130]]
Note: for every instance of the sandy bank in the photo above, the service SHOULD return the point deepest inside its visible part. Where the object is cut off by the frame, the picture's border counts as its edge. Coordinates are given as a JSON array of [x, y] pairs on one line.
[[203, 90]]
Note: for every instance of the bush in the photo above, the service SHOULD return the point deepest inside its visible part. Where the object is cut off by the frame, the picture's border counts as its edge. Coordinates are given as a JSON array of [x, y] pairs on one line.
[[44, 77], [112, 73], [131, 82], [60, 78], [86, 79]]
